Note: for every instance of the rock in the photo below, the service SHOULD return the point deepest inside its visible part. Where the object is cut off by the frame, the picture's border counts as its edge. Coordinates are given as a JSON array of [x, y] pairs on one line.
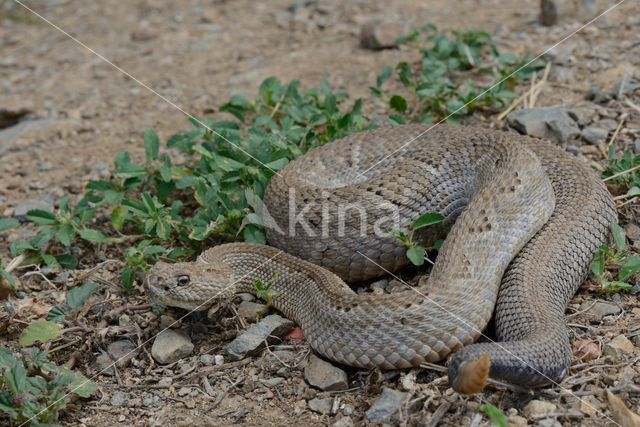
[[618, 347], [244, 296], [11, 116], [207, 359], [252, 311], [581, 115], [119, 398], [382, 34], [517, 421], [252, 341], [122, 352], [544, 122], [573, 149], [608, 124], [272, 382], [103, 364], [593, 135], [632, 231], [538, 409], [549, 11], [165, 381], [324, 375], [218, 359], [27, 127], [171, 345], [549, 422], [347, 409], [343, 422], [636, 340], [600, 309], [596, 95], [321, 406], [44, 202], [387, 407]]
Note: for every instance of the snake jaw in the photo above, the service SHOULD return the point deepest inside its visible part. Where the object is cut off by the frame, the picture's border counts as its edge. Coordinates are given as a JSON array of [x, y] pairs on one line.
[[471, 376]]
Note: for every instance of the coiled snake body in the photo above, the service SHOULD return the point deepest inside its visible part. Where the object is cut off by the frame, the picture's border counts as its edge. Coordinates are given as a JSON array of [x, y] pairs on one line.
[[525, 219]]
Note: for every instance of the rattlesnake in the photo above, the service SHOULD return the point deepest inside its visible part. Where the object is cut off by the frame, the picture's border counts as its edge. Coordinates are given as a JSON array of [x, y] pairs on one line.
[[525, 217]]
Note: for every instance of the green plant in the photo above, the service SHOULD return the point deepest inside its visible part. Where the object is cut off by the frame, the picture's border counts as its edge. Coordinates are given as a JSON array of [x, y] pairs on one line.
[[265, 292], [415, 251], [174, 208], [608, 260], [495, 414], [445, 83], [34, 390], [624, 170]]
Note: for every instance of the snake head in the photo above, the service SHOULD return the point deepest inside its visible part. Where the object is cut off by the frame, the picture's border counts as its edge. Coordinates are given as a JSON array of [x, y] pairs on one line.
[[192, 286]]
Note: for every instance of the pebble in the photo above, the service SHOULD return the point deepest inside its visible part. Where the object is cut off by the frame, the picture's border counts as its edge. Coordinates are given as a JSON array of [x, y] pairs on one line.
[[549, 422], [573, 149], [538, 409], [549, 11], [207, 359], [122, 352], [119, 398], [599, 310], [171, 345], [165, 381], [343, 422], [44, 202], [218, 359], [251, 342], [593, 134], [382, 34], [544, 122], [103, 364], [632, 231], [252, 311], [322, 406], [347, 409], [517, 421], [324, 375], [581, 115], [246, 296], [618, 348], [272, 382], [387, 407]]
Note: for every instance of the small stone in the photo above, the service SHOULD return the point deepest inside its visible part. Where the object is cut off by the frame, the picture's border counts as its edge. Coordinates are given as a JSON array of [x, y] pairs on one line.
[[218, 359], [122, 352], [251, 342], [119, 398], [148, 402], [632, 231], [387, 407], [167, 321], [348, 409], [573, 149], [45, 202], [544, 122], [549, 11], [593, 135], [517, 421], [103, 364], [608, 124], [165, 381], [618, 347], [538, 409], [321, 406], [189, 403], [252, 311], [599, 310], [207, 359], [272, 382], [246, 296], [171, 345], [382, 34], [343, 422], [324, 375], [183, 391], [636, 340], [549, 422], [124, 320], [581, 115], [597, 95]]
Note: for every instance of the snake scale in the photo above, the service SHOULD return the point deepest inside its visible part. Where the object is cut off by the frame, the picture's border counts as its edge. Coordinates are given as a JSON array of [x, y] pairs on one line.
[[525, 218]]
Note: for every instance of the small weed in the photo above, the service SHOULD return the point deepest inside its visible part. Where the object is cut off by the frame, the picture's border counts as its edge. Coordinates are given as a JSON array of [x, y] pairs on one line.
[[265, 292], [34, 390], [617, 259], [495, 414], [444, 82], [415, 251]]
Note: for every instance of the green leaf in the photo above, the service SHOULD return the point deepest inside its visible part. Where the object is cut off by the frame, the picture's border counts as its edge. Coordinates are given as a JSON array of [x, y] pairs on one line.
[[619, 237], [7, 360], [630, 267], [495, 415], [76, 297], [16, 380], [8, 277], [81, 385], [41, 217], [416, 255], [51, 261], [118, 215], [616, 286], [95, 236], [40, 330], [430, 218], [151, 145], [66, 234], [384, 75], [398, 103], [127, 278], [57, 314], [8, 223]]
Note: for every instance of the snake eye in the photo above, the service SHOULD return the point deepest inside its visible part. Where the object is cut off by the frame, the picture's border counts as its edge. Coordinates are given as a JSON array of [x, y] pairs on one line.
[[183, 280]]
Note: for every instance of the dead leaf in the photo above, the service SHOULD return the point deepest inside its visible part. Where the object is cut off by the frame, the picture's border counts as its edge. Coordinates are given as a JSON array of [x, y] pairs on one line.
[[586, 350], [32, 304], [621, 414]]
